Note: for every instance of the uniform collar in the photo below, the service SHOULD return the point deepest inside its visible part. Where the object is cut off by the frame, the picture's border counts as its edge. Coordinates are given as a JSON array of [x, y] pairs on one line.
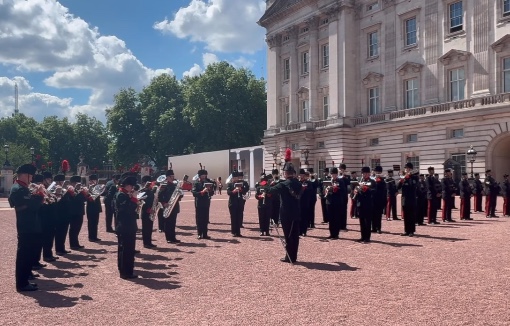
[[21, 183]]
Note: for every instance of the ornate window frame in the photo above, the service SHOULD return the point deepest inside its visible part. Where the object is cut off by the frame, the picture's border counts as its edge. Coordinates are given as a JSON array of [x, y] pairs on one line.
[[374, 80], [409, 70], [403, 18], [455, 59], [461, 33], [502, 50]]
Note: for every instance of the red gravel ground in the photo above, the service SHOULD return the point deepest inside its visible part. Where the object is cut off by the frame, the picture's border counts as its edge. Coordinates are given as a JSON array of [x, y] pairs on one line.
[[450, 274]]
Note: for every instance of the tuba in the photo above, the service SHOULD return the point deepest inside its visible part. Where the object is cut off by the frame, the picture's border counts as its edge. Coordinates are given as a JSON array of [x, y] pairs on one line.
[[174, 199], [155, 204]]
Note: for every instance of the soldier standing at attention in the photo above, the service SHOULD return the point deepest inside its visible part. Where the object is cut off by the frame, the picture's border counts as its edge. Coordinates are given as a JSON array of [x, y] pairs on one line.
[[236, 189], [264, 204], [93, 210], [491, 195], [275, 201], [26, 203], [320, 191], [364, 194], [315, 184], [353, 212], [432, 195], [391, 195], [408, 185], [202, 193], [380, 200], [334, 197], [506, 195], [447, 193], [478, 193], [465, 198], [147, 223], [421, 198], [289, 192]]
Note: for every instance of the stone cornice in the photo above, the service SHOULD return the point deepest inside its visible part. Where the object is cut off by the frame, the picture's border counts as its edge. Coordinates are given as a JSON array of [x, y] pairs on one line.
[[454, 54], [409, 66], [372, 76], [500, 44]]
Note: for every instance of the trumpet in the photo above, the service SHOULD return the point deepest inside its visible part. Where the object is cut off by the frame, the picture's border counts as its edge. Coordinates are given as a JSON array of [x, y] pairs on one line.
[[96, 190]]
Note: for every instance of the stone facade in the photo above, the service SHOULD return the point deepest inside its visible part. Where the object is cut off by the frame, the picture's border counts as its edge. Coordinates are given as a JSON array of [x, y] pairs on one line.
[[389, 81]]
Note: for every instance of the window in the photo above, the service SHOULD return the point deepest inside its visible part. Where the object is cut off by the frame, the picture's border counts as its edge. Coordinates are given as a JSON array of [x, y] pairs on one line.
[[456, 17], [410, 29], [373, 101], [506, 8], [374, 162], [286, 38], [286, 115], [325, 56], [412, 96], [320, 144], [304, 29], [304, 107], [304, 63], [457, 84], [415, 161], [324, 21], [461, 159], [373, 47], [412, 138], [325, 107], [506, 75], [374, 142], [373, 6], [286, 69], [321, 165], [457, 133], [294, 147]]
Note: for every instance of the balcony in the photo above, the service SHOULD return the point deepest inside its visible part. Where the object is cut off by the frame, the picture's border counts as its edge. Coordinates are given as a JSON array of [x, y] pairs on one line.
[[427, 110]]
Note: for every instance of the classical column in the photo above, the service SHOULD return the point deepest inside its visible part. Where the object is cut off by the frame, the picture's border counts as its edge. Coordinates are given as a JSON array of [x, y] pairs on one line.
[[313, 26], [252, 168], [238, 158], [274, 67], [334, 71], [294, 75]]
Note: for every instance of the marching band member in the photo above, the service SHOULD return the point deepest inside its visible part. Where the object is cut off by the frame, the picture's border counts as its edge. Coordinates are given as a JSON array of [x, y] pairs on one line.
[[447, 193], [275, 201], [421, 200], [408, 185], [38, 179], [202, 194], [391, 195], [353, 212], [26, 204], [433, 194], [62, 219], [364, 194], [236, 190], [478, 193], [170, 221], [79, 196], [315, 184], [345, 179], [380, 200], [93, 210], [109, 195], [264, 205], [49, 221], [164, 195], [126, 203], [334, 197], [506, 195], [322, 197], [465, 198], [147, 223], [289, 191], [307, 194], [491, 195]]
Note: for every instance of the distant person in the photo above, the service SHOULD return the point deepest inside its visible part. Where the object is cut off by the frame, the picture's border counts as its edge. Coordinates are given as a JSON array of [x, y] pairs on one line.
[[219, 184]]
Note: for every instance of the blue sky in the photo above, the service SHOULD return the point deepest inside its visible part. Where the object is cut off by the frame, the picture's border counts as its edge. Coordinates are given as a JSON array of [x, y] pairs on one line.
[[72, 56]]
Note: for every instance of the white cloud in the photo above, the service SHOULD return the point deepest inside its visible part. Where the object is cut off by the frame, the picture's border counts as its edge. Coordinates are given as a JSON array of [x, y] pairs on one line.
[[209, 58], [42, 36], [243, 62], [224, 25], [196, 70]]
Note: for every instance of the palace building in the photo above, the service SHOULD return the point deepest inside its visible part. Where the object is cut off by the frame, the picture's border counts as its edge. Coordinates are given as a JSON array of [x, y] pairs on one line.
[[384, 82]]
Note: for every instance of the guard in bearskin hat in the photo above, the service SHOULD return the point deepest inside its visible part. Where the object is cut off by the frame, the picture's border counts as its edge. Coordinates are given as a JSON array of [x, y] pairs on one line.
[[126, 203]]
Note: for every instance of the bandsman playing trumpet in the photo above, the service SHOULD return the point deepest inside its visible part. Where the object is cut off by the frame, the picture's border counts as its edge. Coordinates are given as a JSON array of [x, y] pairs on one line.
[[391, 195], [93, 210], [380, 200], [43, 213], [49, 219], [306, 201], [275, 202], [79, 195], [147, 222], [408, 184], [334, 195], [62, 223], [26, 204], [264, 204], [202, 191], [315, 184], [322, 197], [236, 190], [364, 195]]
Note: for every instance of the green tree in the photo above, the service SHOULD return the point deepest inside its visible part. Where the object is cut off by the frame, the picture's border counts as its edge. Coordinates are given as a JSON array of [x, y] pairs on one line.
[[90, 140], [61, 141], [161, 105], [226, 108], [128, 138]]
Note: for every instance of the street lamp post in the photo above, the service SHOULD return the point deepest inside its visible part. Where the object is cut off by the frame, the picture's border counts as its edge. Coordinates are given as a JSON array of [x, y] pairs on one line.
[[306, 152], [6, 150], [32, 152], [275, 158], [471, 154]]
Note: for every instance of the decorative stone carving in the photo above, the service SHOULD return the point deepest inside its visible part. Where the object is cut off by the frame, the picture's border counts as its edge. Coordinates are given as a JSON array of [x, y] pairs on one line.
[[274, 40], [409, 67], [313, 23], [453, 55], [388, 3], [372, 76], [292, 32], [500, 44], [302, 93], [332, 13]]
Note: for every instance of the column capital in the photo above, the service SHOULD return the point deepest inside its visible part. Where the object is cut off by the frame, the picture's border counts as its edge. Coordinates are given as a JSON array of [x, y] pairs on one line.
[[274, 40]]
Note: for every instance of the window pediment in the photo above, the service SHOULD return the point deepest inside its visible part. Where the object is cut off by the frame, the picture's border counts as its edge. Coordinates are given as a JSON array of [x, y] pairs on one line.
[[372, 77], [411, 67], [453, 55], [302, 93], [500, 44]]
